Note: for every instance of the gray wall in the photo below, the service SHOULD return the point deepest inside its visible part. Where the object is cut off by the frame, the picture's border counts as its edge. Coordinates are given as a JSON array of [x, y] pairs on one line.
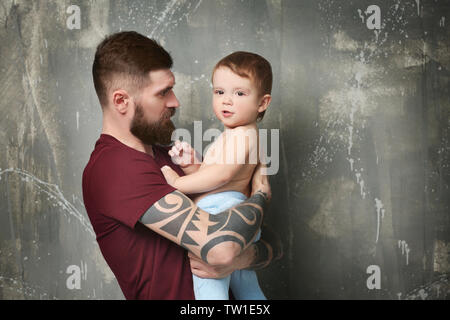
[[364, 148]]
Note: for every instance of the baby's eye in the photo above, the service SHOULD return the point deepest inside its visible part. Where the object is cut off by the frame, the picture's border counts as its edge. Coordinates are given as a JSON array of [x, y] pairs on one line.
[[218, 91], [240, 93]]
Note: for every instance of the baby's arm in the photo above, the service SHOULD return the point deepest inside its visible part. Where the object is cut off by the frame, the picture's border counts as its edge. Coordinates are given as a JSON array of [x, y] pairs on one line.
[[215, 175], [185, 156], [208, 178]]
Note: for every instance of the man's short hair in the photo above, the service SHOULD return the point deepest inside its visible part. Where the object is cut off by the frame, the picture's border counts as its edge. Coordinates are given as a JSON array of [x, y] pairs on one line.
[[123, 60], [253, 66]]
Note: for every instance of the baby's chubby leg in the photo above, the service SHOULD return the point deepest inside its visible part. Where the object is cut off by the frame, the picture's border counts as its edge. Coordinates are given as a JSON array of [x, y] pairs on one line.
[[211, 289], [244, 285]]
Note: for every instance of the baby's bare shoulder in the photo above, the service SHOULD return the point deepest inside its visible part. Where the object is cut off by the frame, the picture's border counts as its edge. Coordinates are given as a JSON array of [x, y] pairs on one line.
[[246, 132]]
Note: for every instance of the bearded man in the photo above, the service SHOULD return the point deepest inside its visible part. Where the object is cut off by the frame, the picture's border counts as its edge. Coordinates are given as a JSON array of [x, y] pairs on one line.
[[152, 236]]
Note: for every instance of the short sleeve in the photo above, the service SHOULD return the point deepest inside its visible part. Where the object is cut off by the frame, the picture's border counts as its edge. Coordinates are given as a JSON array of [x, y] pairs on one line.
[[125, 187]]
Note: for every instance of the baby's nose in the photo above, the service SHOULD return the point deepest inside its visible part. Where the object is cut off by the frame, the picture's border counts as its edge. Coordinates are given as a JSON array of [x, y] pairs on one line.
[[227, 100]]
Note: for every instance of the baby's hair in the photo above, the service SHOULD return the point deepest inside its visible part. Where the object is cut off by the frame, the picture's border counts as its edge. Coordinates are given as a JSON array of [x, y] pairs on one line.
[[253, 66]]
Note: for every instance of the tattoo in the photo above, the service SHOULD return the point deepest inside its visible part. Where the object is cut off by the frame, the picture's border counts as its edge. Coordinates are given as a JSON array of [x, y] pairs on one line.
[[177, 218], [267, 249]]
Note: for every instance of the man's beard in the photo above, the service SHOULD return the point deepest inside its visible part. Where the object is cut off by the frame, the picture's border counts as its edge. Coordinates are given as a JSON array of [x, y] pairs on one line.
[[159, 132]]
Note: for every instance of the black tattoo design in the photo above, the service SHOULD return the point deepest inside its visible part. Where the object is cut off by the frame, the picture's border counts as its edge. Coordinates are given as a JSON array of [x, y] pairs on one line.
[[177, 218], [269, 248]]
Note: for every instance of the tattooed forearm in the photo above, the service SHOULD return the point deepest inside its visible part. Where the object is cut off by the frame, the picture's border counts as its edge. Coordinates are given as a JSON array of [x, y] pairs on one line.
[[177, 218], [266, 250]]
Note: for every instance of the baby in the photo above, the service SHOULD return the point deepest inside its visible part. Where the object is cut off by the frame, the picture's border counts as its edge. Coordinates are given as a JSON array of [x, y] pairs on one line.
[[242, 85]]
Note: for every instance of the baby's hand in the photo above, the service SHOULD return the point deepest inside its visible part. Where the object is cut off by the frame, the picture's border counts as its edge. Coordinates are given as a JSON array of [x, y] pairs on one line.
[[170, 175], [182, 154]]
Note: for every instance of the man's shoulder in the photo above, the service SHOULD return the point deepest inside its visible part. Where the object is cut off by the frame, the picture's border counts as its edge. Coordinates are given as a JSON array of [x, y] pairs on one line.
[[107, 155], [111, 161], [105, 163]]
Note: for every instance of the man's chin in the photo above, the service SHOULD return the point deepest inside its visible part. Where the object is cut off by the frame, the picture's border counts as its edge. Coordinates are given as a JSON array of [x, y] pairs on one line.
[[162, 136], [166, 137], [167, 140]]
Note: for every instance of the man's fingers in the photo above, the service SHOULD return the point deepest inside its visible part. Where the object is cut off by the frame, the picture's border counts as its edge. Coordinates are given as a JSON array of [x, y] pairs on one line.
[[192, 256], [204, 273], [202, 269], [261, 170], [260, 181], [199, 269], [200, 273], [263, 175]]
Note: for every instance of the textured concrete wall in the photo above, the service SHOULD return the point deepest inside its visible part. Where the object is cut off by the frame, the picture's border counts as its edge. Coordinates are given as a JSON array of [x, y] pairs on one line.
[[363, 112]]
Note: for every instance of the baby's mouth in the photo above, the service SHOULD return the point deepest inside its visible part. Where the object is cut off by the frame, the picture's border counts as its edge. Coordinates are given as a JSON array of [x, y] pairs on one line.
[[227, 113]]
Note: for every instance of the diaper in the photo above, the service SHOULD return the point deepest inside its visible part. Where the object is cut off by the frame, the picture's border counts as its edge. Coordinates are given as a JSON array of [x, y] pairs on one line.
[[217, 202]]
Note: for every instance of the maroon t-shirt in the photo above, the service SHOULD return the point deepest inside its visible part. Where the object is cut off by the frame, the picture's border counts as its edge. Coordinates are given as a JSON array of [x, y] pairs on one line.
[[119, 185]]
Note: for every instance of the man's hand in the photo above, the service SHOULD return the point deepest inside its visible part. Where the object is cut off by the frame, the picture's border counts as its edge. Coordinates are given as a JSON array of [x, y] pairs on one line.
[[203, 270], [170, 175], [260, 181], [259, 255]]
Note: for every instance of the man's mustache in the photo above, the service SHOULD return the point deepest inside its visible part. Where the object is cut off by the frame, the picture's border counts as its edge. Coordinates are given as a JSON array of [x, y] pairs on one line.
[[169, 114]]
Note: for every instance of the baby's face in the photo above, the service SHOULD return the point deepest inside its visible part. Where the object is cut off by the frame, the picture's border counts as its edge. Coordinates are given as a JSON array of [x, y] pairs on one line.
[[235, 99]]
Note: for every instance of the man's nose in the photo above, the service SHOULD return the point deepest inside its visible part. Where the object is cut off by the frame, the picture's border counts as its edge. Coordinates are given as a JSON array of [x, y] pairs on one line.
[[173, 101]]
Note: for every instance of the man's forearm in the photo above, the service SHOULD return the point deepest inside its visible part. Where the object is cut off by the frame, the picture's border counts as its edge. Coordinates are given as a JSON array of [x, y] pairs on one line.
[[239, 224], [177, 218]]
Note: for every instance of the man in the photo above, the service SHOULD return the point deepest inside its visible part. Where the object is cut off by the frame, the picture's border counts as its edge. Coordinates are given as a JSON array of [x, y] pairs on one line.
[[143, 225]]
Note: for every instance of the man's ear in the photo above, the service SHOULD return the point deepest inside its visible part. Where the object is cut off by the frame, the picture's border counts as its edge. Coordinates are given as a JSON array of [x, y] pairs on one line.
[[264, 102], [121, 100]]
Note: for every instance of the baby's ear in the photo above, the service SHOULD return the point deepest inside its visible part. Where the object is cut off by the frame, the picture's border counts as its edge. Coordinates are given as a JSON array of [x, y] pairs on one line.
[[264, 102]]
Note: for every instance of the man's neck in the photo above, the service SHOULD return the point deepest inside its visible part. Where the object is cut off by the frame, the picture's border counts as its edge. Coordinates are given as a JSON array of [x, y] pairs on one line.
[[128, 139]]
